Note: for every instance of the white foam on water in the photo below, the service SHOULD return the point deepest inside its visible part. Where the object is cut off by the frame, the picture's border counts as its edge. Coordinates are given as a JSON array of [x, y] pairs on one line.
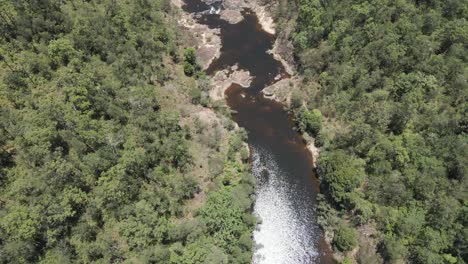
[[283, 235], [213, 10]]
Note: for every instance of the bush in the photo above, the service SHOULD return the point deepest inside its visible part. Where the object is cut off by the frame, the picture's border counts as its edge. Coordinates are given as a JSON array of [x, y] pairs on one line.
[[346, 261], [244, 153], [191, 66], [367, 253], [296, 100], [307, 121], [61, 51], [236, 142], [345, 238], [341, 174], [189, 70], [196, 95], [320, 140], [394, 249]]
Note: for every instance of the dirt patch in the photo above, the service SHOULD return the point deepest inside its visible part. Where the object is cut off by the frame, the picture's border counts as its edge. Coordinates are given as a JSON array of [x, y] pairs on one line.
[[208, 117]]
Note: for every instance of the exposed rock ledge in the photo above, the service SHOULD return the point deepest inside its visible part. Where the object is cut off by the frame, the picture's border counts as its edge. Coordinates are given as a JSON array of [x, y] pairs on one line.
[[232, 16], [282, 51], [264, 17], [315, 151], [225, 78], [282, 90], [208, 39], [233, 8]]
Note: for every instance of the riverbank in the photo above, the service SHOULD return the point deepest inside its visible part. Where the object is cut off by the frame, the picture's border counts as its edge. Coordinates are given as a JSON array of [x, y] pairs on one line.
[[208, 43], [282, 91], [222, 80], [210, 126], [252, 57], [206, 40]]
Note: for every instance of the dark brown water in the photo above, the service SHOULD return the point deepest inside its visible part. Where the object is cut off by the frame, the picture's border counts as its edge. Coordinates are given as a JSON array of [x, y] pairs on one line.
[[286, 185]]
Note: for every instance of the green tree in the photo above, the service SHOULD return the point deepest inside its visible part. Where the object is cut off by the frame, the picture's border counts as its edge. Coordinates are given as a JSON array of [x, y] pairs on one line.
[[345, 238], [341, 173], [61, 51], [309, 121], [191, 66], [392, 93], [94, 164]]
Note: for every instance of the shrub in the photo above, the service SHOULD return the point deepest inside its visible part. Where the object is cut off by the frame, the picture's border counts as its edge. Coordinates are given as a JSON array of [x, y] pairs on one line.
[[296, 100], [346, 261], [320, 140], [310, 122], [191, 66], [341, 174], [345, 238]]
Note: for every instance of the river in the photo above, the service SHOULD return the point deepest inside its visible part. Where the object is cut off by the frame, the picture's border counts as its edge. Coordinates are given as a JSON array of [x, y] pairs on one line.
[[286, 185]]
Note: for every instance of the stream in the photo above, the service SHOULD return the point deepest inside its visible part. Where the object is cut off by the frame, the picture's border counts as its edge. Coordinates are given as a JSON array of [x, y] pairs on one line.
[[286, 185]]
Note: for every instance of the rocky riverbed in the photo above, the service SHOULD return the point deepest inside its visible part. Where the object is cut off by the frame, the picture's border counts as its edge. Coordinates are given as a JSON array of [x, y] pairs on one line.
[[254, 57], [222, 80]]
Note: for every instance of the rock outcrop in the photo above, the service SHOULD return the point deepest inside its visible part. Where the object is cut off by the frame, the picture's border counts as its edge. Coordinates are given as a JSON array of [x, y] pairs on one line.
[[225, 78]]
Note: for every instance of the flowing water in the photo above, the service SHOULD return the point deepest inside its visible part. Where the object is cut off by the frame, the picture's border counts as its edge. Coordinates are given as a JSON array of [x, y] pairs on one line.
[[286, 184]]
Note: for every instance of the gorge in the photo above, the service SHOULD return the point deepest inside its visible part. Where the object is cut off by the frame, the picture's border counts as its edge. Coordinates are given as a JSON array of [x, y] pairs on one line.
[[281, 163]]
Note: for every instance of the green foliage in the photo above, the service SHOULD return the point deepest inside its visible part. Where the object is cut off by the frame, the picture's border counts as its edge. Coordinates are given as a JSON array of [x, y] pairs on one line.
[[296, 100], [61, 51], [308, 121], [190, 56], [21, 223], [191, 66], [342, 174], [223, 218], [94, 166], [346, 261], [395, 249], [345, 238], [224, 223], [236, 143], [392, 91]]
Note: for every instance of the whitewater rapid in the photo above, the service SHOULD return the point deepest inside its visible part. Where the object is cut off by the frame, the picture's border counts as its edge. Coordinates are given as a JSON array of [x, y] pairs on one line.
[[283, 234]]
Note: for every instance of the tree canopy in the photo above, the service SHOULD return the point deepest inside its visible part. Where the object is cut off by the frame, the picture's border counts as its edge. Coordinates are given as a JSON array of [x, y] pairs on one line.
[[393, 97], [95, 162]]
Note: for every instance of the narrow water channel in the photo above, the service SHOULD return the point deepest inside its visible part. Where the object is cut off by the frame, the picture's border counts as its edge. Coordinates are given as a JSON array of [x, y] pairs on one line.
[[286, 185]]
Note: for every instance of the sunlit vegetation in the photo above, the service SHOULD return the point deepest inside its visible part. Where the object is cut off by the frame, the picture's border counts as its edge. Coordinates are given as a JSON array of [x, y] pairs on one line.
[[393, 101], [95, 166], [191, 66]]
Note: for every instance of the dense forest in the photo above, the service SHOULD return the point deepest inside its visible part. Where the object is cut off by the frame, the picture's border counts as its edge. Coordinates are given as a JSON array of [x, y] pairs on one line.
[[103, 160], [391, 116], [97, 164]]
